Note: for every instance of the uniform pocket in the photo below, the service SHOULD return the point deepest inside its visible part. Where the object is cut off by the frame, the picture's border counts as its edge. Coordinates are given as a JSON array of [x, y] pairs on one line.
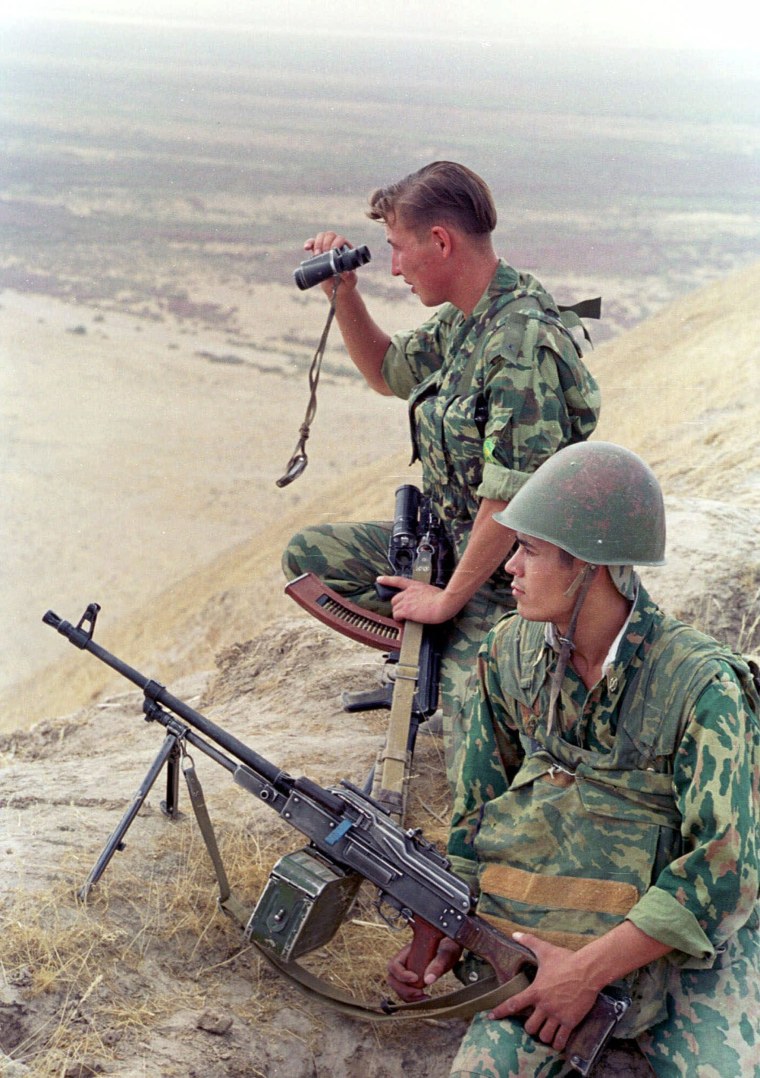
[[462, 424], [637, 796]]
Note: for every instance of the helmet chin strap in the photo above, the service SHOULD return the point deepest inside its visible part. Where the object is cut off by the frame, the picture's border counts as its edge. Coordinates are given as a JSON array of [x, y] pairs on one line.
[[579, 587]]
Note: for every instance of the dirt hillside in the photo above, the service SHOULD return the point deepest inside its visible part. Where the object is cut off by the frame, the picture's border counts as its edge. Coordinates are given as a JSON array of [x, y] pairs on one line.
[[682, 390]]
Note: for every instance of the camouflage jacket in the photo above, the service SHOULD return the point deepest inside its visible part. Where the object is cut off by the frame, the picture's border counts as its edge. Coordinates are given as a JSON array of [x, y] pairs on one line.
[[645, 806], [491, 397]]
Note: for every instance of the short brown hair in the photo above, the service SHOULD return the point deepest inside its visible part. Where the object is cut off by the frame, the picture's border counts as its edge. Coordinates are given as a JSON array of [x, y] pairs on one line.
[[442, 192]]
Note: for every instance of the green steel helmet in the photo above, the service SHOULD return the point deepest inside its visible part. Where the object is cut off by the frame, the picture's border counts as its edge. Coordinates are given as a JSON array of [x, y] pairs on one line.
[[596, 500]]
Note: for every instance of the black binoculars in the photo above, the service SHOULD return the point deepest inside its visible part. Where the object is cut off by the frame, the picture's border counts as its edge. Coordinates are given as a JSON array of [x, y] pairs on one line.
[[330, 264]]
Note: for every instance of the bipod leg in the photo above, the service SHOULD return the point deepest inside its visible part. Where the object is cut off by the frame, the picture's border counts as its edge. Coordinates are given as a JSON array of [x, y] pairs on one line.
[[170, 750], [170, 807]]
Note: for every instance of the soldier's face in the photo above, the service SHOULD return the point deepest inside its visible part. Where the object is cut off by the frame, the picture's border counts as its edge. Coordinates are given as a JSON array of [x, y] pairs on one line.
[[542, 576], [417, 257]]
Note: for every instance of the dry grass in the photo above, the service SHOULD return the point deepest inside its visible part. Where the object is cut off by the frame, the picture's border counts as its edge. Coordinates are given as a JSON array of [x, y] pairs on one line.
[[749, 632], [64, 954]]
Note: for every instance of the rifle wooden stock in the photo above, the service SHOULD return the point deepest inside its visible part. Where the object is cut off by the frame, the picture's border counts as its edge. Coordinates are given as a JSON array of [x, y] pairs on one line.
[[345, 617], [507, 957]]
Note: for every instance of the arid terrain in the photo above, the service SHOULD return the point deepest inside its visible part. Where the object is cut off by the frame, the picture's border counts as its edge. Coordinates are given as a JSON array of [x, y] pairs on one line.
[[156, 190], [154, 376]]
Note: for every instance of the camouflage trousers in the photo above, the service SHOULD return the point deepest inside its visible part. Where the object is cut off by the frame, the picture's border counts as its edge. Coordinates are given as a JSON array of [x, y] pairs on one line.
[[712, 1030], [348, 558]]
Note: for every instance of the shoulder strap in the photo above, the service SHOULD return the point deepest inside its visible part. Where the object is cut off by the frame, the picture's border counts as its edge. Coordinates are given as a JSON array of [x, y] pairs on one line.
[[571, 314], [584, 308], [688, 674]]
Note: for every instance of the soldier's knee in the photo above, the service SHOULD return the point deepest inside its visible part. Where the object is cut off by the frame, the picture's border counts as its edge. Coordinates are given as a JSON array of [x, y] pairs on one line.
[[310, 550], [292, 556]]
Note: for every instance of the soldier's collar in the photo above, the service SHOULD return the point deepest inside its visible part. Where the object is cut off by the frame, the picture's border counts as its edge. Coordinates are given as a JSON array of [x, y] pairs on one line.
[[554, 641]]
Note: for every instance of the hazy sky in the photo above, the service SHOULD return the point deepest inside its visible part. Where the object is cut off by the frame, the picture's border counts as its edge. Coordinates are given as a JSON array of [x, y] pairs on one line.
[[711, 24]]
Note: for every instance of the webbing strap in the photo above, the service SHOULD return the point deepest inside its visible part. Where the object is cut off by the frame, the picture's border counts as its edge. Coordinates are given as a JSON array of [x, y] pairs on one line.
[[581, 584], [573, 312], [390, 786], [227, 900], [584, 308], [462, 1003]]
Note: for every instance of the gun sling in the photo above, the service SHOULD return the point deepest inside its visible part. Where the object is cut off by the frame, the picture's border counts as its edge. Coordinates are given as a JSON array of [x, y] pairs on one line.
[[464, 1002], [395, 758], [377, 631], [582, 1053]]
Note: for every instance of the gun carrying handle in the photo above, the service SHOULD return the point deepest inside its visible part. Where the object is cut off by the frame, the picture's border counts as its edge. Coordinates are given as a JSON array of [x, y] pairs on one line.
[[424, 948]]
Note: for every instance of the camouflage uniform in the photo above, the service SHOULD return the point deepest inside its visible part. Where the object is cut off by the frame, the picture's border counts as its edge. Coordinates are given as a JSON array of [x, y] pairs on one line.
[[646, 808], [491, 396]]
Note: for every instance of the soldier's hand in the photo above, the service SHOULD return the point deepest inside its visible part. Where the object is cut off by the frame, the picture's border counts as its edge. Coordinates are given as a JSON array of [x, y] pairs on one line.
[[404, 981], [559, 997], [325, 241], [419, 602]]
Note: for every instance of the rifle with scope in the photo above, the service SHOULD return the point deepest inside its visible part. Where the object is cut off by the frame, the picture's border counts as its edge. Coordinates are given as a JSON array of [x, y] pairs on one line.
[[415, 532], [416, 535], [417, 549], [351, 838]]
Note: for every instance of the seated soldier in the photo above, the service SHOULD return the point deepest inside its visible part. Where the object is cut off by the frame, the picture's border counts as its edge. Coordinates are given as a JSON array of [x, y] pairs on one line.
[[495, 384], [607, 809]]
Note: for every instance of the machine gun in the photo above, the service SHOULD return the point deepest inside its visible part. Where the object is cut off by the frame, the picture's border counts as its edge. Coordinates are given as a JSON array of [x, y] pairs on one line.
[[351, 838], [417, 549]]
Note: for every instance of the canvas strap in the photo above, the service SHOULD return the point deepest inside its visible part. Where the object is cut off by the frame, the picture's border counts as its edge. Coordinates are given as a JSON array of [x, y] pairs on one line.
[[485, 994], [227, 901], [392, 773], [580, 585]]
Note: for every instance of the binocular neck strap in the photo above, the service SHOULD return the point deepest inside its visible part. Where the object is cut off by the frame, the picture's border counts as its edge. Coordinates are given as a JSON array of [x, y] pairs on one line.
[[297, 463]]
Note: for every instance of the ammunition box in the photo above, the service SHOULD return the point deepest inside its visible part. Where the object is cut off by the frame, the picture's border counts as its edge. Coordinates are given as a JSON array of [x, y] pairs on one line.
[[302, 906]]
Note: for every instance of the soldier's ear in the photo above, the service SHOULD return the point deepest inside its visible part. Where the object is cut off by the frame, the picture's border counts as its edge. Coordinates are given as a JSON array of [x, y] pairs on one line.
[[442, 238]]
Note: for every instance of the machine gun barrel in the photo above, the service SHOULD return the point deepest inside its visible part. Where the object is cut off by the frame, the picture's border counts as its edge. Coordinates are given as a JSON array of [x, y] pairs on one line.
[[81, 636], [345, 824]]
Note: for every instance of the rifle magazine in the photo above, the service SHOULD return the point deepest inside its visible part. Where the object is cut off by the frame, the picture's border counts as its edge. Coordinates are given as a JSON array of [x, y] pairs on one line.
[[345, 617]]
